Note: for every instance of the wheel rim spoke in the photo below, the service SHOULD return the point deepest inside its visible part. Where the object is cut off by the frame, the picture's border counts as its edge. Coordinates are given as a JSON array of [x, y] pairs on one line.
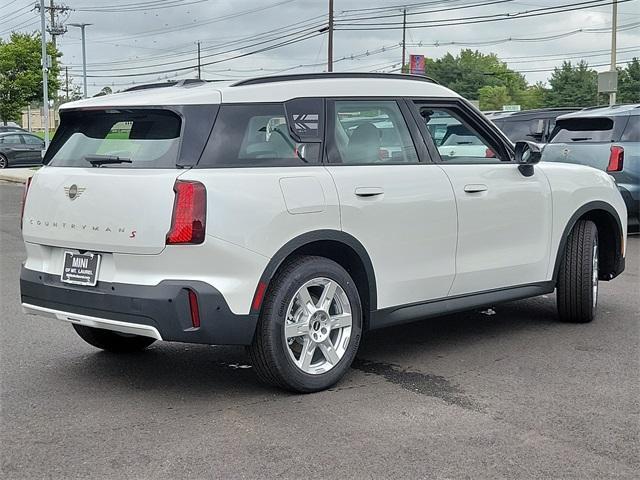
[[306, 301], [298, 329], [327, 295], [340, 321], [306, 355], [329, 352]]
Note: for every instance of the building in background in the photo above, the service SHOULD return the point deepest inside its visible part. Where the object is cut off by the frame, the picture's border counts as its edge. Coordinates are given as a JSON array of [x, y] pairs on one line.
[[33, 119]]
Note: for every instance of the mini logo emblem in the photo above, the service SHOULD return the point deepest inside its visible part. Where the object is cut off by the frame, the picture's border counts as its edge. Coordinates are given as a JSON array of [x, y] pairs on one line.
[[73, 191]]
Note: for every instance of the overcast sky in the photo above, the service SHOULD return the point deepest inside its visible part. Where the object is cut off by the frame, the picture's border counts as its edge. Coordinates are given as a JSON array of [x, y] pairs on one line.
[[152, 36]]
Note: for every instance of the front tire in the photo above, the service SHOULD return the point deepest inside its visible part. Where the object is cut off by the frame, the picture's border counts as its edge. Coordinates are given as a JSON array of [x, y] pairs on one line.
[[577, 289], [112, 341], [310, 326], [4, 162]]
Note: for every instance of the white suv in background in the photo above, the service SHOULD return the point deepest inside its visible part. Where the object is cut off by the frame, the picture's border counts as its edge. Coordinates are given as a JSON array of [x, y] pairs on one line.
[[291, 214]]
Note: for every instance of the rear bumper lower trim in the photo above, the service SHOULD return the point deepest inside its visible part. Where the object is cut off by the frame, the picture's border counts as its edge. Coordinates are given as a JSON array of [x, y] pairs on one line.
[[159, 311], [88, 321]]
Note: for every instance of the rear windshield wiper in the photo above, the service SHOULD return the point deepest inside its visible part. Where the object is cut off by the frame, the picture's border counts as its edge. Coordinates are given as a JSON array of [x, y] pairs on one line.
[[580, 139], [98, 160]]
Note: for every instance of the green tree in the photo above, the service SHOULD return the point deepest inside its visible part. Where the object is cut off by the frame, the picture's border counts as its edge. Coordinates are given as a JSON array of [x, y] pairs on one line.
[[21, 73], [573, 86], [629, 83], [470, 71], [494, 97]]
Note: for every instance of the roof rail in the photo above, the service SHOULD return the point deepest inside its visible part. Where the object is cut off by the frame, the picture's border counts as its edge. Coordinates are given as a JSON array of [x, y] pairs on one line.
[[315, 76], [170, 83]]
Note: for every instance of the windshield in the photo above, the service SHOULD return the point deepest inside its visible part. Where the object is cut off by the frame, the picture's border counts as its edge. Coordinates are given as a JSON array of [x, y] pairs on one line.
[[117, 139]]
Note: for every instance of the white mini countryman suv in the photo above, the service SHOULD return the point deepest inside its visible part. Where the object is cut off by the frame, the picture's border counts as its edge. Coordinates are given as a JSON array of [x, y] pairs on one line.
[[291, 214]]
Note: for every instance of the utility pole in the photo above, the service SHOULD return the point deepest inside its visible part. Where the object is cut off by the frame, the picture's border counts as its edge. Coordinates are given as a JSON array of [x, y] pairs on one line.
[[45, 74], [84, 55], [56, 26], [404, 37], [52, 22], [66, 79], [614, 31], [330, 42], [199, 77]]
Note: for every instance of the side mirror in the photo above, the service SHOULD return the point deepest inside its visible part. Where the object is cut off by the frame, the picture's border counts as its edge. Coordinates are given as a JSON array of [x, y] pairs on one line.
[[527, 154]]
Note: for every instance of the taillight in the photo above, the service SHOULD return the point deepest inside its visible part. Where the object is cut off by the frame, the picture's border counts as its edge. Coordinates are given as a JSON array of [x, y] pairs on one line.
[[616, 159], [24, 199], [189, 213]]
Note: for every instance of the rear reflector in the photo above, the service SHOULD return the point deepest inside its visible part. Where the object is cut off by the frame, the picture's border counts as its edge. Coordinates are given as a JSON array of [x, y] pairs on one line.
[[194, 308], [259, 296], [616, 159], [24, 199], [189, 213]]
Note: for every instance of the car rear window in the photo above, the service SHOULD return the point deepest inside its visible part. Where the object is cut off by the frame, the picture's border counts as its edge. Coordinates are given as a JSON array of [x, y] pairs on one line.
[[586, 130], [136, 138]]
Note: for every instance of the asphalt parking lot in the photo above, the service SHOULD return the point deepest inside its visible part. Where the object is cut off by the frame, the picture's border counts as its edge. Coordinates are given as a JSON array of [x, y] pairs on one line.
[[501, 393]]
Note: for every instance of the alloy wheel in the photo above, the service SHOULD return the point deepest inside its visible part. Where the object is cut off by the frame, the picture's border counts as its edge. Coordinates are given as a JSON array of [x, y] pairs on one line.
[[318, 326]]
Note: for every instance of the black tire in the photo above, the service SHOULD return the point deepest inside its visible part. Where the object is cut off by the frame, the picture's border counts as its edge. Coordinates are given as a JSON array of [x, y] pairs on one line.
[[576, 296], [4, 162], [269, 351], [112, 341]]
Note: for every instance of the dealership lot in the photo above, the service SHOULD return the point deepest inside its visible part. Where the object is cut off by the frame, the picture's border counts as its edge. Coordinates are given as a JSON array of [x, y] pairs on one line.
[[503, 392]]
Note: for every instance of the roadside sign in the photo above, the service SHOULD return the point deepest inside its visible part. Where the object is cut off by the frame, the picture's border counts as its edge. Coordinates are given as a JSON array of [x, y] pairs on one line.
[[416, 64], [511, 108]]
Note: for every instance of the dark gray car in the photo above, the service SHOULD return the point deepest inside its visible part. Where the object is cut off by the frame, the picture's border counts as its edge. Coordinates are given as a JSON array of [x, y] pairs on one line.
[[20, 149], [606, 138]]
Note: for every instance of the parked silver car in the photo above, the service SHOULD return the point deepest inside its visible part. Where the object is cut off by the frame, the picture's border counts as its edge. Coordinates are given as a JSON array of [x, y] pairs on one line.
[[607, 138]]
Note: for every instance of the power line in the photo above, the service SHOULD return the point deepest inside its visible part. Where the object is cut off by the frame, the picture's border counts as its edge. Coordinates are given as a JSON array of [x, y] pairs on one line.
[[476, 19], [138, 7], [300, 38], [255, 44]]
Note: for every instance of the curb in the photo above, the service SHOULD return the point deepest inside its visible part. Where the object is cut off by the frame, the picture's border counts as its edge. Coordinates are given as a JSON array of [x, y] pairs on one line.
[[18, 177]]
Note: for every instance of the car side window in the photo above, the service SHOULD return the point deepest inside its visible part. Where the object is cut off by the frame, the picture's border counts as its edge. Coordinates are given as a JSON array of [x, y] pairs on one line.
[[632, 131], [370, 132], [11, 139], [455, 138], [257, 135], [30, 140]]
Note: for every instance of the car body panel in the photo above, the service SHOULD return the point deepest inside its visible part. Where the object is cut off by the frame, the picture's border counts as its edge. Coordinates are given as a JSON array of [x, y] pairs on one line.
[[504, 229]]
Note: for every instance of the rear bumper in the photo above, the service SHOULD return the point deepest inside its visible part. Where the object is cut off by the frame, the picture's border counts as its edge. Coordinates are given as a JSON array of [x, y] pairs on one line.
[[160, 311]]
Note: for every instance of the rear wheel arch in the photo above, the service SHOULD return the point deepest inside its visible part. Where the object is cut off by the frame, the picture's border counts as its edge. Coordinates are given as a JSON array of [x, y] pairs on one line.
[[338, 246], [610, 234]]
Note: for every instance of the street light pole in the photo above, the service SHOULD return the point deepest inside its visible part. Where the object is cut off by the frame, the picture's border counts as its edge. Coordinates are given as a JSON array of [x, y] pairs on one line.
[[45, 74], [199, 73], [330, 42], [404, 38], [614, 28], [84, 54]]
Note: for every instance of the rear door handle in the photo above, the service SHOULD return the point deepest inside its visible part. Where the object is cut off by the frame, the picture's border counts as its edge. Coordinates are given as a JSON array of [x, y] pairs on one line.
[[475, 188], [368, 191]]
